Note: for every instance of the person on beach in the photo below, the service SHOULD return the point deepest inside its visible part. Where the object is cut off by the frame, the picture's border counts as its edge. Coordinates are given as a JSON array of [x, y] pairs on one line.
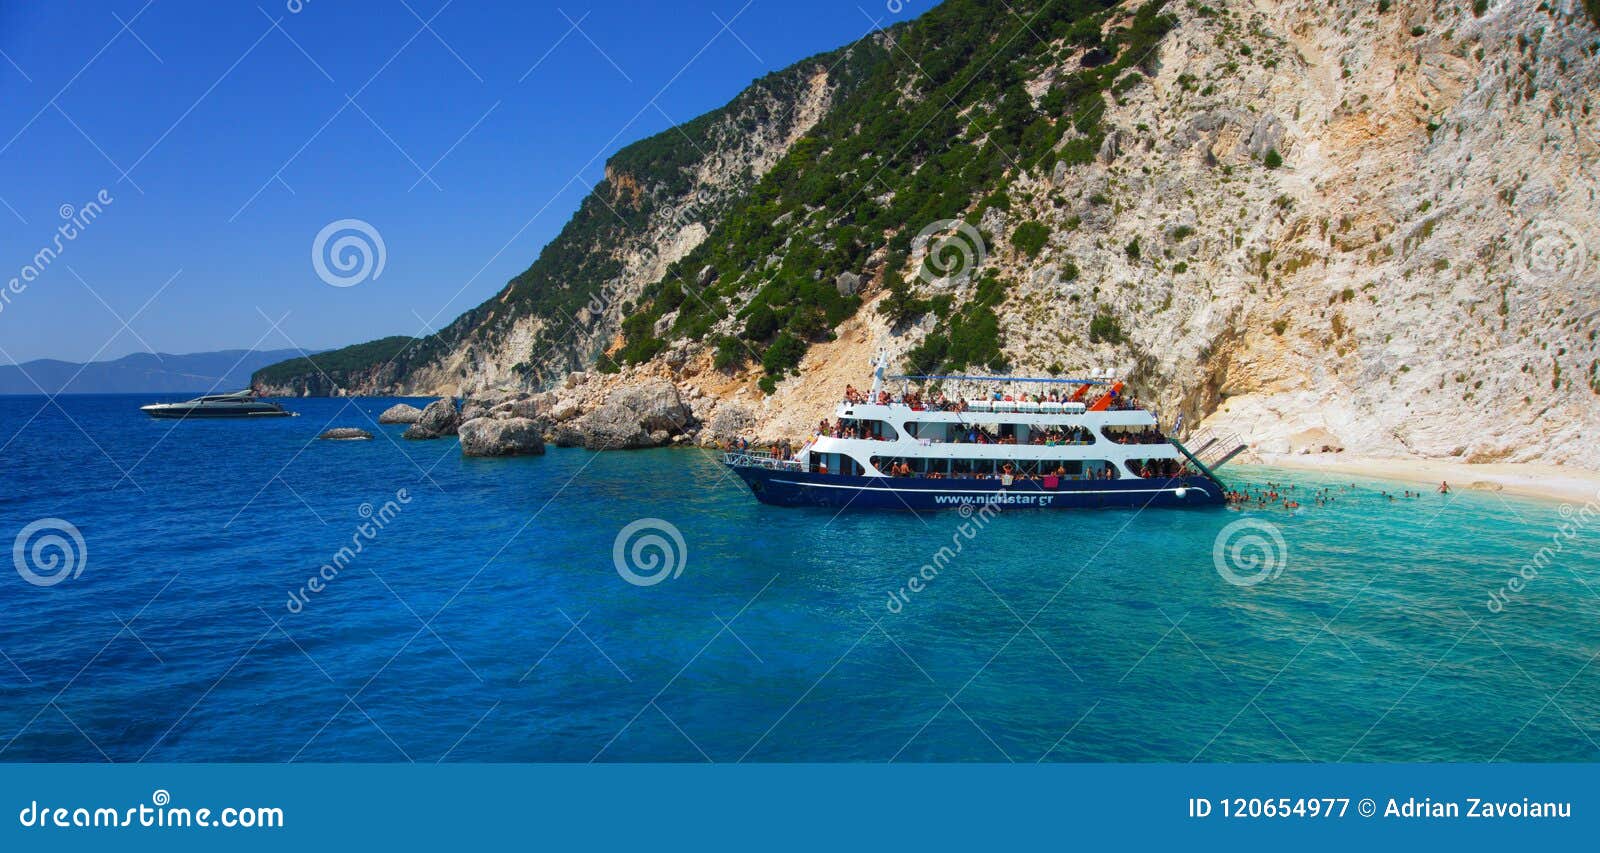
[[1444, 488]]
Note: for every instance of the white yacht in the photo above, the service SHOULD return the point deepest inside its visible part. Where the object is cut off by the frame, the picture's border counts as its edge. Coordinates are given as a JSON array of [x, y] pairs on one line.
[[239, 404], [1065, 443]]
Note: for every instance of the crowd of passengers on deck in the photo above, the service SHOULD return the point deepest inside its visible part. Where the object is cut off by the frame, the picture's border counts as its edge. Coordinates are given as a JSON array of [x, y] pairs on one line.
[[974, 434], [1146, 469], [940, 403]]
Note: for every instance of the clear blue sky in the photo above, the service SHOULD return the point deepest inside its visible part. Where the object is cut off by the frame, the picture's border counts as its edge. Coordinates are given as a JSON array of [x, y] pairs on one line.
[[222, 143]]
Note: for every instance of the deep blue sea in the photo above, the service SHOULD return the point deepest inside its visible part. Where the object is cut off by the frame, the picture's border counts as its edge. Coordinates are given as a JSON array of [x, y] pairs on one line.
[[485, 617]]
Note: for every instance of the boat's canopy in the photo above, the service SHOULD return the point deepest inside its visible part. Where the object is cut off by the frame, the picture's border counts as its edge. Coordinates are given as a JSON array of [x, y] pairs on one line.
[[231, 397], [1043, 380]]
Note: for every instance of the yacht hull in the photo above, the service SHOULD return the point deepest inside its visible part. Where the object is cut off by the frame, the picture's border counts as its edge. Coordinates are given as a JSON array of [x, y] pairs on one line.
[[194, 413], [782, 487]]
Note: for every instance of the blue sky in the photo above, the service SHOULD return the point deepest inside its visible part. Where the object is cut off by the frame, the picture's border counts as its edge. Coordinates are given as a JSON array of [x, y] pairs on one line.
[[228, 135]]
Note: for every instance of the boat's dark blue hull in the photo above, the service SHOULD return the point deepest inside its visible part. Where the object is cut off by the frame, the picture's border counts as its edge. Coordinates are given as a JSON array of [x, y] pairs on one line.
[[197, 414], [782, 487]]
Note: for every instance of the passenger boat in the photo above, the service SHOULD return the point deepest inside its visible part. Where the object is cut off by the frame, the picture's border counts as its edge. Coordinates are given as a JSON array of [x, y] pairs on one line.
[[239, 404], [1077, 443]]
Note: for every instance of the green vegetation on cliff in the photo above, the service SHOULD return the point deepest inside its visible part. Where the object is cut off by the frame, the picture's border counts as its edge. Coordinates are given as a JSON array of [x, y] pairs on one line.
[[883, 164], [340, 365]]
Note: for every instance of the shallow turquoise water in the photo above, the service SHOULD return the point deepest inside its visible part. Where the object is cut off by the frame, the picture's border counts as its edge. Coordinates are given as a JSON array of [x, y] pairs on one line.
[[1071, 636]]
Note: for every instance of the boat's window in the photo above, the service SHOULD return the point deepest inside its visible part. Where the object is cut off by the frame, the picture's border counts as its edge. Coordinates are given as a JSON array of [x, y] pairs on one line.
[[872, 429], [1133, 435], [1020, 433], [839, 463], [1073, 469], [1155, 468]]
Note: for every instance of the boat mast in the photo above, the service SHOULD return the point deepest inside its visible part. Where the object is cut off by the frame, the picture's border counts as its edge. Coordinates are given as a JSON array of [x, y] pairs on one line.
[[877, 374]]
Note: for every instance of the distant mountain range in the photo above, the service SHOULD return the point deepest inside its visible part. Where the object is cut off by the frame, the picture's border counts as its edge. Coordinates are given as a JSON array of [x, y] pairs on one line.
[[141, 373]]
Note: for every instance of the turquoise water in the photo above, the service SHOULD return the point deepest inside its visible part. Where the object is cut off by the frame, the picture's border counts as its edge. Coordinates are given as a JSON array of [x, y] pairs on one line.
[[487, 619]]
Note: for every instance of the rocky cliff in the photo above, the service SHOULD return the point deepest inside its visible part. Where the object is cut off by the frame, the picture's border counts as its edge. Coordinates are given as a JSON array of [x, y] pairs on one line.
[[1367, 225]]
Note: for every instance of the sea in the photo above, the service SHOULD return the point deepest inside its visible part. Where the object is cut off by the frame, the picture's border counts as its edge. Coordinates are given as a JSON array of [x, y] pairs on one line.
[[216, 591]]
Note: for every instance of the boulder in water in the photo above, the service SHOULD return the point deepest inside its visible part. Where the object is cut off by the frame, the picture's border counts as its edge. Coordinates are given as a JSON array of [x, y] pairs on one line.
[[440, 418], [501, 437], [533, 408], [731, 421], [400, 413], [648, 414], [657, 404], [346, 434], [611, 426]]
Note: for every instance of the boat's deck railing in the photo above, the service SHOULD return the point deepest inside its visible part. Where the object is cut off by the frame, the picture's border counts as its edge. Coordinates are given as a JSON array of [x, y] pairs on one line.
[[1026, 407], [759, 459]]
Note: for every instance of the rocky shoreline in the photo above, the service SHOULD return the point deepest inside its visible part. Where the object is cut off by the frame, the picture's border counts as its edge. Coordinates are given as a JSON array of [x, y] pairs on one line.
[[584, 411], [625, 412]]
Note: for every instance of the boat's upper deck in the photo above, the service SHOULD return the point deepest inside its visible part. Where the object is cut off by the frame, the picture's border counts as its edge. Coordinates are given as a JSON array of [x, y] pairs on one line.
[[996, 400], [997, 412]]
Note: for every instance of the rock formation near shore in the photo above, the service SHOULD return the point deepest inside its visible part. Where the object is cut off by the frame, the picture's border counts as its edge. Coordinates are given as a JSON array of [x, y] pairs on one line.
[[439, 419], [501, 437], [1360, 225], [345, 434], [400, 413], [648, 414]]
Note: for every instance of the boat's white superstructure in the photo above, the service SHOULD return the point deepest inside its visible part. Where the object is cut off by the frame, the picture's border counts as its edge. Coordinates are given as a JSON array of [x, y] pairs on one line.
[[1099, 437]]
